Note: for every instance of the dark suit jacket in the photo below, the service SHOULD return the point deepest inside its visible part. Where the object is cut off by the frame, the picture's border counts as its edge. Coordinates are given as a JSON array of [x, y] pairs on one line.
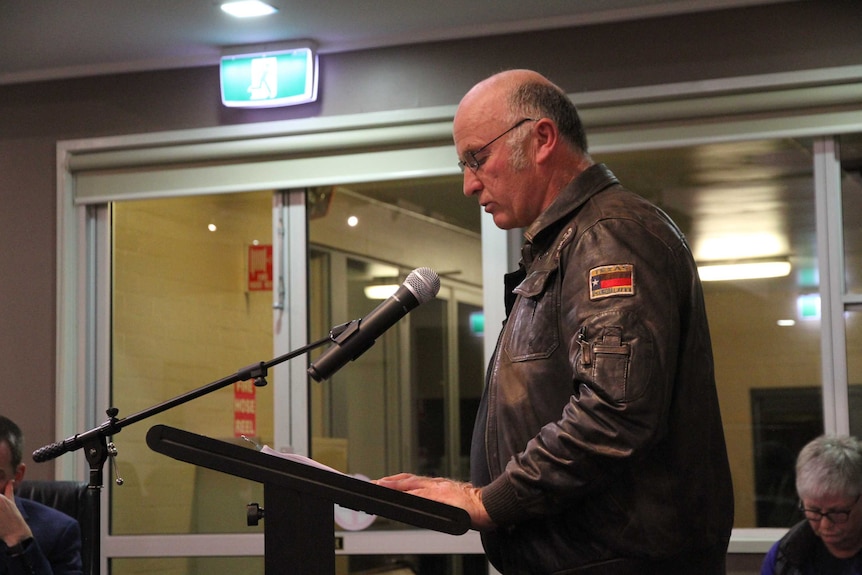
[[56, 545]]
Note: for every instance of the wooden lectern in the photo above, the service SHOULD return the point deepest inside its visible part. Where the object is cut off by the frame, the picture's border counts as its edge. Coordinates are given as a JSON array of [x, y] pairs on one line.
[[299, 526]]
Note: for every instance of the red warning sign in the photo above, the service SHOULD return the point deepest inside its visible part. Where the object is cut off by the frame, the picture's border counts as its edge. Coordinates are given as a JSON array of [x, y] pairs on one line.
[[260, 268], [244, 409]]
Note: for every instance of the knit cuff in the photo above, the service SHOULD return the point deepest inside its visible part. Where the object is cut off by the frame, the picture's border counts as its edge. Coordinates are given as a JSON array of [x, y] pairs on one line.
[[501, 501]]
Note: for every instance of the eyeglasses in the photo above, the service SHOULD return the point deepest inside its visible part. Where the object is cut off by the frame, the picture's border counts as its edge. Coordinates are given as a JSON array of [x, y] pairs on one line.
[[835, 517], [473, 162]]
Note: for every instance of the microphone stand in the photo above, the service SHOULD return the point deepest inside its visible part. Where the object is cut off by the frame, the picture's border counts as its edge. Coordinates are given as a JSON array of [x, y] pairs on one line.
[[97, 450]]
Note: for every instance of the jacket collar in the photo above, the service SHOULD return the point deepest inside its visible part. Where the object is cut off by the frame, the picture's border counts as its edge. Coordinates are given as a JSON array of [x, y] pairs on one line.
[[585, 185]]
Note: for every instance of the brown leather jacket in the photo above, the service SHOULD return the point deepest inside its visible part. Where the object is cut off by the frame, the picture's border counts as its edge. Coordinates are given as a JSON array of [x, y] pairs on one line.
[[599, 439]]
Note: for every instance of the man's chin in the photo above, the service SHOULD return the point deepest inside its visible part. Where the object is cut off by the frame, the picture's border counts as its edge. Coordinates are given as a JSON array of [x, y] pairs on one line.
[[502, 222]]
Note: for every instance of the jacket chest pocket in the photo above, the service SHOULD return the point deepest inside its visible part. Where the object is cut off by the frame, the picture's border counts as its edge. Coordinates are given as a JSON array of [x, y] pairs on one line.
[[533, 326]]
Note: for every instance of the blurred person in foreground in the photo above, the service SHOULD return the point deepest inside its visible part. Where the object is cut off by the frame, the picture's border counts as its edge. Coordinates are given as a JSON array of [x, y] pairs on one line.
[[598, 446], [829, 539], [34, 539]]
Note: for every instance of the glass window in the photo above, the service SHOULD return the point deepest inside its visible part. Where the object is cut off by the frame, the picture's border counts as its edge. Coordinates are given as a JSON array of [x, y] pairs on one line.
[[751, 202], [185, 313], [850, 153], [407, 403], [191, 305]]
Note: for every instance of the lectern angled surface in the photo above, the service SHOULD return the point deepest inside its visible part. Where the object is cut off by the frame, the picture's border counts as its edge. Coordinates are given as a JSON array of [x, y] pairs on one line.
[[325, 485]]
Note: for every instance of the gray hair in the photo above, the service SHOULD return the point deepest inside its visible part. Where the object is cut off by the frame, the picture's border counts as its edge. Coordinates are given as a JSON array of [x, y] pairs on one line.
[[544, 100], [829, 465]]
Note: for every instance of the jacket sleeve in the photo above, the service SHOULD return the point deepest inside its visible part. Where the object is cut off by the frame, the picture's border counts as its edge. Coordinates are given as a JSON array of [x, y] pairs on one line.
[[65, 556], [621, 349], [31, 562]]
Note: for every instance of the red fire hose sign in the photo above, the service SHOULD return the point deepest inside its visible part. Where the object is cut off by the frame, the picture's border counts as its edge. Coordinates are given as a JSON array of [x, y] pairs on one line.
[[260, 268], [244, 409]]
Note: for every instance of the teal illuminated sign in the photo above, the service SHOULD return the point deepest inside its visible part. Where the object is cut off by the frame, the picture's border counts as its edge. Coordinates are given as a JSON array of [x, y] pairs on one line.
[[477, 323], [269, 80]]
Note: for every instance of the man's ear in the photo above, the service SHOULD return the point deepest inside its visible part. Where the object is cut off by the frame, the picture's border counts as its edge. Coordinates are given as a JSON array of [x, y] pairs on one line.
[[547, 139], [19, 472]]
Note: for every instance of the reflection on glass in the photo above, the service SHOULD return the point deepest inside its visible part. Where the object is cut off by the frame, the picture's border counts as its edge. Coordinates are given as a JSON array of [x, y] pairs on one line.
[[471, 374], [408, 402]]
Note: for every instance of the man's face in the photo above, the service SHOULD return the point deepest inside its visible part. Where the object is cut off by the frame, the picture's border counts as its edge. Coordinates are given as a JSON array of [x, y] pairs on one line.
[[7, 471], [842, 539], [506, 192]]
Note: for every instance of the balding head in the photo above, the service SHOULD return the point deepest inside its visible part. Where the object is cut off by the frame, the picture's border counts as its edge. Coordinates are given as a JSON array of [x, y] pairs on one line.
[[502, 84], [516, 94]]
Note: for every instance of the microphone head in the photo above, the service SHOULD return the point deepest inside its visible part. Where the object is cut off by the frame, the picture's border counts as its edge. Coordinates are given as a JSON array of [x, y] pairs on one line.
[[423, 283]]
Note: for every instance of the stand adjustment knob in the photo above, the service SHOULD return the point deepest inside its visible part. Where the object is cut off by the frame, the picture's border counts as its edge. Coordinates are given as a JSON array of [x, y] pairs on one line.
[[253, 514]]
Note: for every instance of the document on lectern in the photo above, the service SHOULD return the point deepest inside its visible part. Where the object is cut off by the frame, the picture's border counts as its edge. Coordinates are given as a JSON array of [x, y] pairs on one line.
[[299, 459], [348, 519]]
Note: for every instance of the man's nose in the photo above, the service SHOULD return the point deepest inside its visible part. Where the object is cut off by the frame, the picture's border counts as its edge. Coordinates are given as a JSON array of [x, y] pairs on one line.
[[472, 183]]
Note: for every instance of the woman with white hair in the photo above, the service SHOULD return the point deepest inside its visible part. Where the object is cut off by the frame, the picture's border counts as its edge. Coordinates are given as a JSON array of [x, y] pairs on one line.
[[829, 539]]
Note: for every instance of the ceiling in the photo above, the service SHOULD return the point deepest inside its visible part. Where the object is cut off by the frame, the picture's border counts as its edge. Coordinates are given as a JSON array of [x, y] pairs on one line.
[[51, 39]]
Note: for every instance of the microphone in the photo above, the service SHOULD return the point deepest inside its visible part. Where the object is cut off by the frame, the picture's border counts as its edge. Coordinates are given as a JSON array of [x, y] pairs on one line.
[[359, 335]]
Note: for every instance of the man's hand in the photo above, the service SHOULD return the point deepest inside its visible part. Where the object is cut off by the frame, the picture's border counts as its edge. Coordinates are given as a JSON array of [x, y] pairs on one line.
[[455, 493], [13, 528]]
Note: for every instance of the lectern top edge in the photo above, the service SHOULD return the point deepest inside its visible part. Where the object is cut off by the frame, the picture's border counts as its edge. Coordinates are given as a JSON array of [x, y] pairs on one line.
[[310, 481]]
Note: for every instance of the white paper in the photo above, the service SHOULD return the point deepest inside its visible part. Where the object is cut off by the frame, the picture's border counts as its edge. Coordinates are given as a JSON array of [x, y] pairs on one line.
[[347, 519], [298, 458]]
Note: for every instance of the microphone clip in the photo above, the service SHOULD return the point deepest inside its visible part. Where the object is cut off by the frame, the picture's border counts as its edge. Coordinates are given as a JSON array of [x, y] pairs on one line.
[[335, 334]]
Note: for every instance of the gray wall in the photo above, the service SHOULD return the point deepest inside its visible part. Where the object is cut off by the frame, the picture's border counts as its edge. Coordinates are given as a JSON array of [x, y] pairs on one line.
[[34, 117]]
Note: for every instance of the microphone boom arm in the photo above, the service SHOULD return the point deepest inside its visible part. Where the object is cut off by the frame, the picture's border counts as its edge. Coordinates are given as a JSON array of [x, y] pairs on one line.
[[255, 371]]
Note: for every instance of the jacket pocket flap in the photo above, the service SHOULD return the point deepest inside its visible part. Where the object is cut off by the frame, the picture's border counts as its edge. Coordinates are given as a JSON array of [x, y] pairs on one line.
[[537, 280]]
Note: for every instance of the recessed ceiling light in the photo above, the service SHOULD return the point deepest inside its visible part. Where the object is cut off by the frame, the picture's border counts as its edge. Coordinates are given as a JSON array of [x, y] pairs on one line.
[[743, 271], [248, 8]]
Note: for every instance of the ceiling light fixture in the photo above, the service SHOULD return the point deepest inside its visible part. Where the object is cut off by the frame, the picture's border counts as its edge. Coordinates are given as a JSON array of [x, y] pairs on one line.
[[248, 8], [743, 270], [380, 291]]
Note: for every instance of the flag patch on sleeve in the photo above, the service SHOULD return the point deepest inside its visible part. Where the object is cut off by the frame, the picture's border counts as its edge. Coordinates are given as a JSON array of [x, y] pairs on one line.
[[616, 279]]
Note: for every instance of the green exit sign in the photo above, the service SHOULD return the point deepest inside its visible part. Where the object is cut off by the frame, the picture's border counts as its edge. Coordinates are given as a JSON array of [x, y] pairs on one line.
[[268, 80]]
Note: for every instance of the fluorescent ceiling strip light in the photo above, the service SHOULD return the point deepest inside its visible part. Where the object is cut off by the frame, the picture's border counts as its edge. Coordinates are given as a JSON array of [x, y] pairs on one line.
[[248, 8], [743, 271], [380, 291]]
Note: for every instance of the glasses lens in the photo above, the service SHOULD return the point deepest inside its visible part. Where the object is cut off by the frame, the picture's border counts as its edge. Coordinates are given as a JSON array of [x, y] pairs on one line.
[[836, 517], [471, 162]]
